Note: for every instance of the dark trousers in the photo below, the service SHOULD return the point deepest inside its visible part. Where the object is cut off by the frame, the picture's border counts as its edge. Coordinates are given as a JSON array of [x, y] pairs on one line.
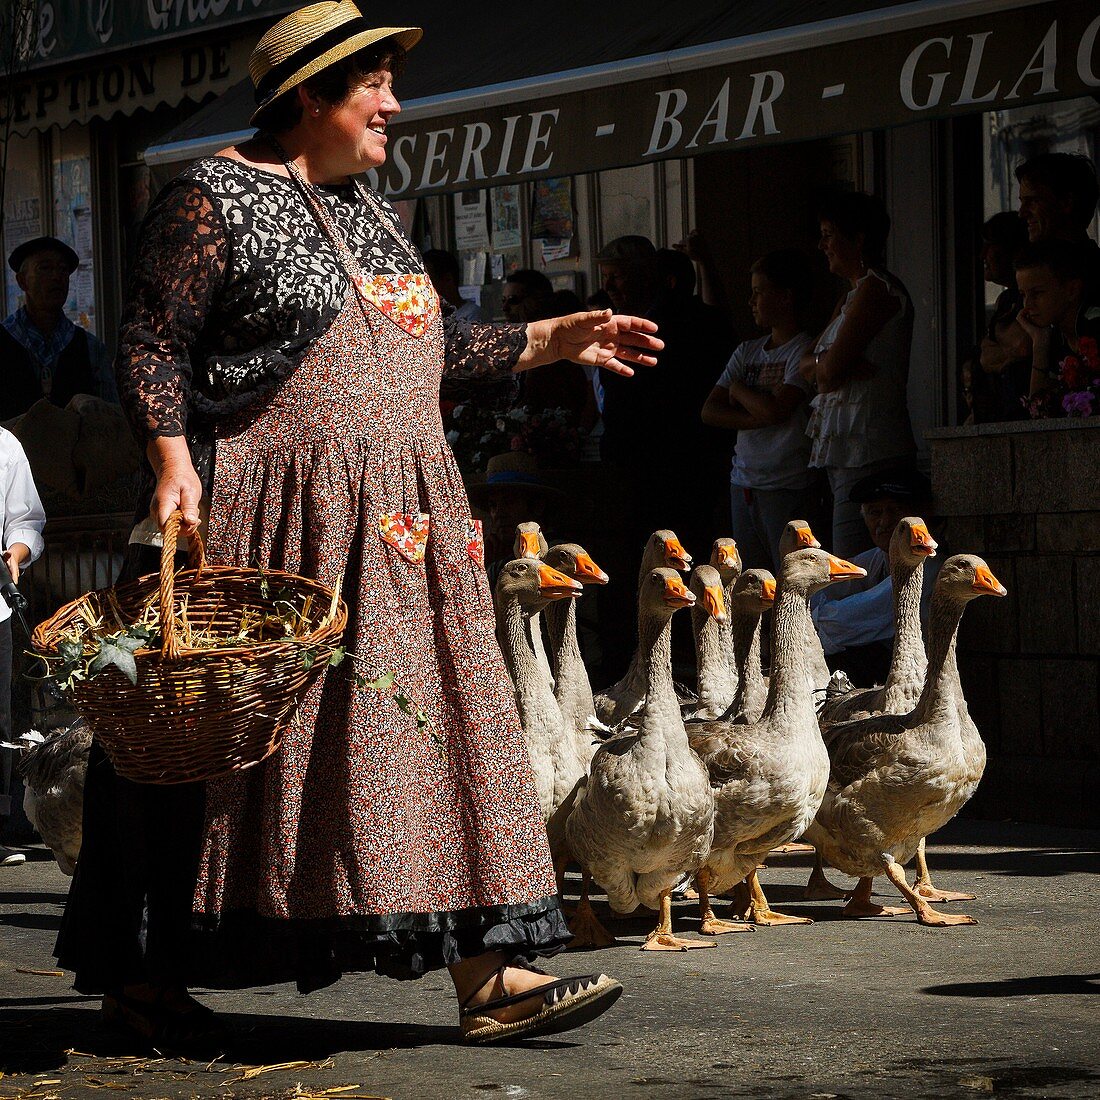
[[6, 755]]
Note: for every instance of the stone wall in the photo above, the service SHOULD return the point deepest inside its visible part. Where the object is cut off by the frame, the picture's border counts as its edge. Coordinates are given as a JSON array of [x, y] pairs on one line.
[[1026, 496]]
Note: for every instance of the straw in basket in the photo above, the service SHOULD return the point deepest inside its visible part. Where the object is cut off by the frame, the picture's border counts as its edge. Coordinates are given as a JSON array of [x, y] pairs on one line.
[[196, 713]]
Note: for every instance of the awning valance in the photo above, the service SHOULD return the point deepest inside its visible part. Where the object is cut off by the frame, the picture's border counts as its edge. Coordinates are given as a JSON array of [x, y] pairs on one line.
[[861, 70]]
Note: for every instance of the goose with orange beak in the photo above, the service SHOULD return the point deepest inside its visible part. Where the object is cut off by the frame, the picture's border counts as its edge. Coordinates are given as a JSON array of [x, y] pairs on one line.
[[895, 779], [769, 777], [663, 550], [530, 543], [644, 817], [709, 622]]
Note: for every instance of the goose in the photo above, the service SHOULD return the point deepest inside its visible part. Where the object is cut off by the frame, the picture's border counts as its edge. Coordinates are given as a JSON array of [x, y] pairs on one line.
[[768, 776], [53, 767], [524, 587], [662, 550], [572, 688], [911, 545], [530, 543], [797, 535], [750, 596], [897, 778], [709, 619], [644, 817], [726, 558]]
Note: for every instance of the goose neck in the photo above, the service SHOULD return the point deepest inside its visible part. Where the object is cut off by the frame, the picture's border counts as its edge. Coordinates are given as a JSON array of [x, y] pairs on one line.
[[938, 699], [908, 657], [789, 678]]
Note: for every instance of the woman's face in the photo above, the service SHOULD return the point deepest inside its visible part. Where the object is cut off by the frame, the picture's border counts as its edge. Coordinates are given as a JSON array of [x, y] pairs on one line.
[[357, 127], [844, 254]]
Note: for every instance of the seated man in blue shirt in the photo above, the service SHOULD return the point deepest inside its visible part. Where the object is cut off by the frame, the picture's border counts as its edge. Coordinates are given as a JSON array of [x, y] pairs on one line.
[[855, 620]]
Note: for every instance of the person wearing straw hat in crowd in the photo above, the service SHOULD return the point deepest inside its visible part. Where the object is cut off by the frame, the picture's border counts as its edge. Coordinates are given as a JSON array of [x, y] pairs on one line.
[[512, 492], [280, 355]]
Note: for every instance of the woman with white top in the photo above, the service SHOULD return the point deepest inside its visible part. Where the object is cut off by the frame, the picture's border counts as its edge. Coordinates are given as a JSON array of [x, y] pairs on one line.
[[764, 398], [860, 363]]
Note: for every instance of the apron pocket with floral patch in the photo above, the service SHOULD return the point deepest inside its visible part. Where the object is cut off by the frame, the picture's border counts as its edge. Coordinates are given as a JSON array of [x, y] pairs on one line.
[[406, 532]]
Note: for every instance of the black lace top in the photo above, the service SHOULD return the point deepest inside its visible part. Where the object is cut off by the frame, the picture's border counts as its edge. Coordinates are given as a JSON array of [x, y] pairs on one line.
[[233, 281]]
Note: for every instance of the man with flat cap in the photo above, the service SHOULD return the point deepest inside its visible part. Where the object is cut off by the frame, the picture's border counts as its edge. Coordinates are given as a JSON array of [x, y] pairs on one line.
[[855, 619], [42, 353]]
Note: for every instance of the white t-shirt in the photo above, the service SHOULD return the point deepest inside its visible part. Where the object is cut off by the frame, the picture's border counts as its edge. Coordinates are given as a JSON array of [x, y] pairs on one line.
[[21, 515], [776, 457]]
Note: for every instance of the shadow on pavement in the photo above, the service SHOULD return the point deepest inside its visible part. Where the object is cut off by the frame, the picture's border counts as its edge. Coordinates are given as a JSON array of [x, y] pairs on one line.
[[1038, 986]]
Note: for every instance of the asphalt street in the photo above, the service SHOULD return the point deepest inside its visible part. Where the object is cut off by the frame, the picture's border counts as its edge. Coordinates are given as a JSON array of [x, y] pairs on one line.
[[873, 1008]]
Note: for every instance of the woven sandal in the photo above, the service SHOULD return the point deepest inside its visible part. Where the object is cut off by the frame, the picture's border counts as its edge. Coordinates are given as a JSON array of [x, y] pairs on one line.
[[566, 1004]]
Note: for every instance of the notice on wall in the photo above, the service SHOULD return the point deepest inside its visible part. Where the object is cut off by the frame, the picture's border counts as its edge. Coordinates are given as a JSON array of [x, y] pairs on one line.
[[505, 214], [473, 269], [471, 225], [73, 215], [552, 216], [22, 222]]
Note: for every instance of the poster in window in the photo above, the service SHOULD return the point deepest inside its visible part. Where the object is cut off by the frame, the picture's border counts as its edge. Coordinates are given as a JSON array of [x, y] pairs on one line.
[[471, 225]]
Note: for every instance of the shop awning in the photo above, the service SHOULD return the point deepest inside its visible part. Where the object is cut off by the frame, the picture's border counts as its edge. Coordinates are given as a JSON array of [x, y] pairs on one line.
[[496, 99]]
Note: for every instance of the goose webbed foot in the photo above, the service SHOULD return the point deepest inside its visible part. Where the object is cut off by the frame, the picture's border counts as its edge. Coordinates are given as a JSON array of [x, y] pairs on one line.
[[925, 887], [861, 905], [585, 925], [709, 924], [819, 888], [662, 939], [762, 912], [926, 915], [792, 847]]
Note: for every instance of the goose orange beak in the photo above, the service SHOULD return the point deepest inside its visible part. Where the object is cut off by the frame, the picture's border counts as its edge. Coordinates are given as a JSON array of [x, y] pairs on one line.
[[768, 595], [921, 542], [676, 557], [529, 545], [840, 570], [727, 555], [557, 585], [588, 572], [714, 601], [806, 538], [984, 581], [677, 594]]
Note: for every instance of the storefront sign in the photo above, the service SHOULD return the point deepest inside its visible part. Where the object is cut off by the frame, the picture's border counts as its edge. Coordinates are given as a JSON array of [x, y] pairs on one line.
[[66, 30], [1000, 60], [122, 84]]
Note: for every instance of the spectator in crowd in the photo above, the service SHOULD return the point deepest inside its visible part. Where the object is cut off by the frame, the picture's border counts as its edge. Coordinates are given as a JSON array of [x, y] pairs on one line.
[[442, 269], [764, 398], [527, 295], [860, 363], [1005, 354], [855, 620], [1058, 195], [21, 523], [43, 353], [1061, 316], [655, 474], [712, 290]]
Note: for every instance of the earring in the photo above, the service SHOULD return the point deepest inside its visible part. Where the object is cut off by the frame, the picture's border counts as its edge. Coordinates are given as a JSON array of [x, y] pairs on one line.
[[316, 110]]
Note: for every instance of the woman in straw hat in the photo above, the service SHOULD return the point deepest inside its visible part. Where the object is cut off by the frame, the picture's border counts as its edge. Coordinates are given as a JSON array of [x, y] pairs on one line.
[[280, 354]]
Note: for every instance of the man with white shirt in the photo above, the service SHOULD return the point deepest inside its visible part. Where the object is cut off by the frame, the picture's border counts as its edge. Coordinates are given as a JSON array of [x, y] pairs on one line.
[[855, 620], [21, 522]]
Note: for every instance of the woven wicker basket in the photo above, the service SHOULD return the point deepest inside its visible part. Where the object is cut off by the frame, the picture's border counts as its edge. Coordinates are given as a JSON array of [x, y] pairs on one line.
[[196, 714]]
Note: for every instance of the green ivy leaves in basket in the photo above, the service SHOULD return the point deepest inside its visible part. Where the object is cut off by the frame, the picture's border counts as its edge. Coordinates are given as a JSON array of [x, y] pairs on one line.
[[85, 659]]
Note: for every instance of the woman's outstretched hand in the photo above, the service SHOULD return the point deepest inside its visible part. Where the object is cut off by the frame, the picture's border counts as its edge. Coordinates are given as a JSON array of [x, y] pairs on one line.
[[595, 339]]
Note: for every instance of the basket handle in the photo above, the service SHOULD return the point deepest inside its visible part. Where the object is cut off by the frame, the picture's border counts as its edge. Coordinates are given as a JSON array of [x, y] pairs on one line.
[[196, 559]]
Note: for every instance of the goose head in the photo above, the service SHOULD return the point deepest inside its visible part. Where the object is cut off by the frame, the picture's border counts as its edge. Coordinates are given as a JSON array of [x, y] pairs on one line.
[[663, 593], [809, 570], [966, 576], [753, 593], [726, 558], [706, 586], [911, 542], [797, 536], [574, 561], [666, 551], [533, 584], [530, 541]]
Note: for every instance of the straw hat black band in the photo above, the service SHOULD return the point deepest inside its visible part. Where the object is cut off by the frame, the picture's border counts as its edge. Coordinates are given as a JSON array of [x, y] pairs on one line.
[[268, 87]]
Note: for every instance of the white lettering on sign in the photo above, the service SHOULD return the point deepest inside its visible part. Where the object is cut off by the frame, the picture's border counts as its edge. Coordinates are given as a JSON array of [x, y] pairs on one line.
[[478, 135], [435, 155], [909, 70], [536, 138], [717, 118], [669, 117], [970, 80], [506, 145], [1047, 56], [162, 13], [760, 106], [401, 163], [1084, 55]]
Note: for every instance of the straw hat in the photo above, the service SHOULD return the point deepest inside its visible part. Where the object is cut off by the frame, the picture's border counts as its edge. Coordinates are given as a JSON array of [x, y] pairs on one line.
[[310, 39], [510, 471]]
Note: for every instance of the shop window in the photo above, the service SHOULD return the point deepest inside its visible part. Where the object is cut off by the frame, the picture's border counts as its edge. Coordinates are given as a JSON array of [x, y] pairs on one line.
[[71, 177], [22, 208]]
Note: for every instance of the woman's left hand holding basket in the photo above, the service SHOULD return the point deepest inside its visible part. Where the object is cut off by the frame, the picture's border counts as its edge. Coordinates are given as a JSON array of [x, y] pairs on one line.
[[178, 485]]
